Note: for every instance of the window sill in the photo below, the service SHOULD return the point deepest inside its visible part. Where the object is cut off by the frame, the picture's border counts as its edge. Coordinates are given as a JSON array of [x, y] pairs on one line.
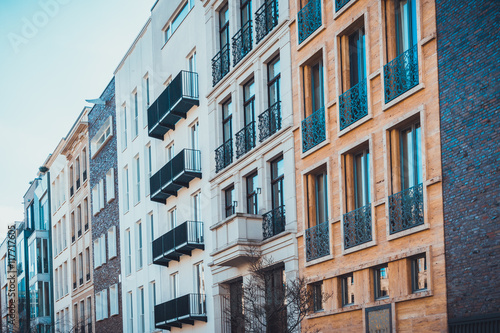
[[310, 37], [407, 232], [356, 124], [318, 260], [315, 148], [359, 247], [412, 91], [343, 9]]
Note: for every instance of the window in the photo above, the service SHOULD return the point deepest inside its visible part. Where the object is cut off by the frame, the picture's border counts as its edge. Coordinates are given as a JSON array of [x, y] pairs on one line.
[[229, 207], [82, 316], [170, 152], [176, 22], [102, 304], [102, 136], [63, 224], [197, 207], [275, 297], [71, 184], [136, 115], [140, 305], [89, 313], [102, 243], [77, 172], [65, 278], [139, 245], [361, 179], [277, 182], [224, 26], [74, 273], [97, 253], [79, 220], [248, 102], [173, 218], [98, 304], [98, 197], [87, 263], [381, 279], [113, 300], [151, 237], [124, 127], [149, 168], [126, 197], [411, 160], [195, 141], [227, 121], [174, 285], [130, 321], [84, 164], [112, 242], [199, 281], [192, 62], [236, 297], [317, 295], [419, 273], [252, 190], [137, 179], [152, 303], [128, 251], [405, 25], [317, 197], [110, 185], [80, 267], [348, 290], [85, 213], [313, 83], [273, 114]]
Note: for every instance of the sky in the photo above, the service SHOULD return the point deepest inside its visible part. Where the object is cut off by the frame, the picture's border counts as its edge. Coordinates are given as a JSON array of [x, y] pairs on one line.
[[54, 54]]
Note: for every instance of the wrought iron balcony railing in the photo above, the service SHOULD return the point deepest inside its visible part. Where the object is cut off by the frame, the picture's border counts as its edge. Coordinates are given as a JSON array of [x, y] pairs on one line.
[[173, 104], [401, 74], [317, 241], [242, 42], [273, 222], [353, 105], [182, 310], [220, 64], [339, 4], [176, 174], [270, 121], [309, 19], [179, 241], [358, 227], [313, 130], [406, 209], [224, 155], [245, 139], [266, 18]]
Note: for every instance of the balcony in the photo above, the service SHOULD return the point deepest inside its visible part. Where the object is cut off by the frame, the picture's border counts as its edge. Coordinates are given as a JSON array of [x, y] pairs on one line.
[[220, 64], [176, 174], [401, 74], [313, 130], [182, 310], [242, 42], [317, 241], [358, 227], [270, 121], [309, 19], [224, 155], [339, 4], [353, 105], [245, 140], [177, 242], [233, 235], [406, 209], [266, 18], [173, 104], [274, 222]]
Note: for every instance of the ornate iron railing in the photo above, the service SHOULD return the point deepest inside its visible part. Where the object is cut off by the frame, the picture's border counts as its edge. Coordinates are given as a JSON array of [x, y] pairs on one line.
[[270, 121], [401, 74], [242, 42], [358, 226], [266, 18], [220, 64], [245, 139], [339, 4], [273, 222], [309, 19], [317, 241], [313, 130], [224, 155], [353, 105], [406, 209]]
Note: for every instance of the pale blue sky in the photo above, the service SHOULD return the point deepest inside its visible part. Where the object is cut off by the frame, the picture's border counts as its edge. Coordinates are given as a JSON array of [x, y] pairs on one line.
[[47, 72]]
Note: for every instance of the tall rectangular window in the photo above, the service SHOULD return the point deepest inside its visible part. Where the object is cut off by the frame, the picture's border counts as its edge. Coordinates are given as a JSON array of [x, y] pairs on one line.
[[124, 128], [151, 237], [361, 179], [357, 66], [411, 160], [112, 242], [152, 303], [149, 168], [97, 253], [136, 116], [139, 245], [229, 201], [275, 298], [199, 288], [65, 277], [348, 290], [113, 300], [317, 293], [174, 285], [84, 164], [145, 99], [252, 202], [277, 183], [87, 263], [317, 197], [195, 140], [137, 179], [173, 218], [110, 185], [79, 220], [274, 81], [130, 314], [406, 24], [236, 297], [63, 223], [227, 121], [140, 305], [89, 314], [224, 26], [126, 197], [170, 152], [77, 172], [80, 268], [419, 274], [249, 102], [197, 207], [381, 279], [128, 253]]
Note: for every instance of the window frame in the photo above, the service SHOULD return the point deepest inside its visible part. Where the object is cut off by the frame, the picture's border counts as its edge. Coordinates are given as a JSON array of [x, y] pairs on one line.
[[377, 291]]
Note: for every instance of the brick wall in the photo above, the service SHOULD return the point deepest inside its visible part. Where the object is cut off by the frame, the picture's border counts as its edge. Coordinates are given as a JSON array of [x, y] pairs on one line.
[[108, 273], [469, 76]]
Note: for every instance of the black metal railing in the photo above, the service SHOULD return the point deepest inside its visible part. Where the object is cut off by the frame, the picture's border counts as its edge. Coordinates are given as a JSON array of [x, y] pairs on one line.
[[220, 64], [178, 310], [353, 105], [185, 237], [309, 19], [401, 74], [270, 121], [88, 276], [274, 222], [339, 4], [266, 18], [317, 241], [224, 155], [242, 42], [313, 130], [173, 104], [358, 226], [245, 139], [406, 209]]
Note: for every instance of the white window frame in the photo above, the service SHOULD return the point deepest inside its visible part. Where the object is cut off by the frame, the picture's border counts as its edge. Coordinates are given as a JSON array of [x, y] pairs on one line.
[[110, 185], [112, 250]]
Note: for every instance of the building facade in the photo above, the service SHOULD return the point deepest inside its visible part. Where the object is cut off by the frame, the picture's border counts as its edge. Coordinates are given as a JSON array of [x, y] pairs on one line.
[[367, 150], [105, 219], [470, 120]]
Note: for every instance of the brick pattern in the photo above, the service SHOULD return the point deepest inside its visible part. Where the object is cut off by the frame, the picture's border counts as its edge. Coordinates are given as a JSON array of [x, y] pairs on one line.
[[469, 77], [107, 274]]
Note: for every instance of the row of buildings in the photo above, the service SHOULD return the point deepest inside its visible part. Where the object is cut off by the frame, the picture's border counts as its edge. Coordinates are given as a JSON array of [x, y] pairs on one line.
[[354, 142]]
